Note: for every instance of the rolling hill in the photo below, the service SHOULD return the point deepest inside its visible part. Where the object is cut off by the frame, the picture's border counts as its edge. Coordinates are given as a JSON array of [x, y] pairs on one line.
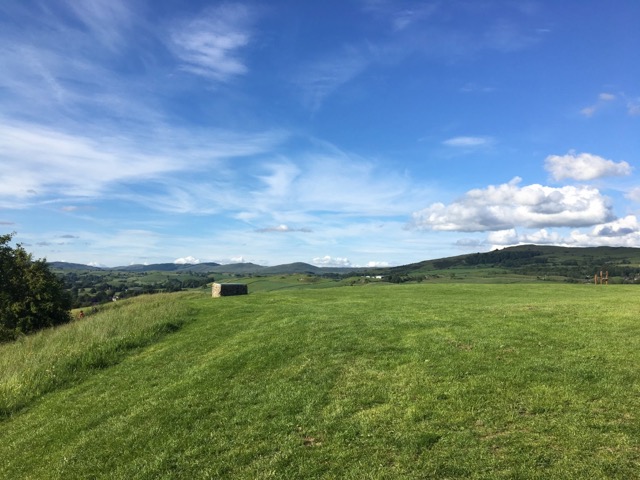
[[547, 261]]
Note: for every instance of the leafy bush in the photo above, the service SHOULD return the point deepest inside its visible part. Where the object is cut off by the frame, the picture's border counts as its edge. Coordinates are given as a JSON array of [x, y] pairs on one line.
[[31, 297]]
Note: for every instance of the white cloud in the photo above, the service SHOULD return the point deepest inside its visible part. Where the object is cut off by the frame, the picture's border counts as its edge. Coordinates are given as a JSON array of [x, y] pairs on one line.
[[186, 261], [328, 261], [588, 111], [469, 242], [41, 161], [328, 182], [105, 19], [513, 237], [321, 78], [375, 264], [209, 44], [584, 166], [508, 205], [622, 232], [468, 142], [620, 228], [278, 228], [634, 194], [503, 237], [282, 229], [604, 98], [280, 179], [472, 87]]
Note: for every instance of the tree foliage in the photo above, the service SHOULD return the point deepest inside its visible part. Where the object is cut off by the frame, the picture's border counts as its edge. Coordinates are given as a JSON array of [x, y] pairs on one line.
[[31, 296]]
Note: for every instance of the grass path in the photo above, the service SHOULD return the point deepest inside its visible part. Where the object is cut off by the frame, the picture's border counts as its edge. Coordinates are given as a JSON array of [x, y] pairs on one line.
[[410, 381]]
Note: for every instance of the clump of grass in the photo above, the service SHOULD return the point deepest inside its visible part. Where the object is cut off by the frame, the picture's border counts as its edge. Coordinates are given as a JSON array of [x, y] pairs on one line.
[[54, 358]]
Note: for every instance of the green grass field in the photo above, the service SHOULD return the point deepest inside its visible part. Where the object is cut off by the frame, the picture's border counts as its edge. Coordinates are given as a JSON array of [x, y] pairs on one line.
[[431, 380]]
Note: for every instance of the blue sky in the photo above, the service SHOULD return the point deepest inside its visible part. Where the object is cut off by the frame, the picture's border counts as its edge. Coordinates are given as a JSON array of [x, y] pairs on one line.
[[342, 133]]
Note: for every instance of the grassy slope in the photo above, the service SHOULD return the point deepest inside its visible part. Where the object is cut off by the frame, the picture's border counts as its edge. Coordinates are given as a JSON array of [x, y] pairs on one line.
[[410, 381]]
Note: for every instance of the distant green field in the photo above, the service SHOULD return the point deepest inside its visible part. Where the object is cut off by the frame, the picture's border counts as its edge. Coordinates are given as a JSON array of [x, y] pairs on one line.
[[430, 380]]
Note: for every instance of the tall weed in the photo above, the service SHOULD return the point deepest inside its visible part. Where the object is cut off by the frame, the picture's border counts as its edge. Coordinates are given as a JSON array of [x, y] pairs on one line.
[[57, 357]]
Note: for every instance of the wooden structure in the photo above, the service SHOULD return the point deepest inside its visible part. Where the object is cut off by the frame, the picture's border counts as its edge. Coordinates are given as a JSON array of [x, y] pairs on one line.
[[602, 279], [228, 289]]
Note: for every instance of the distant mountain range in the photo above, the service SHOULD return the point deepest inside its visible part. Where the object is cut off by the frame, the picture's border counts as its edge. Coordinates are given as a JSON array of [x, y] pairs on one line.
[[233, 268], [536, 259]]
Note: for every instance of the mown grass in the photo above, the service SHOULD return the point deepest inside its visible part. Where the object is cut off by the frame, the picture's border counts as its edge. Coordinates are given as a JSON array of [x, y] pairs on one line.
[[408, 381]]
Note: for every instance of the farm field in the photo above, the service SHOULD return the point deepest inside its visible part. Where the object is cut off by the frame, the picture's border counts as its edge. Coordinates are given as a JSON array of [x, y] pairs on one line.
[[431, 380]]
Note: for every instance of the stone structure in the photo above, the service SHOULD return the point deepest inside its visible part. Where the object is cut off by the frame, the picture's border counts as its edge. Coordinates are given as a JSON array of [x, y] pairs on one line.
[[228, 289]]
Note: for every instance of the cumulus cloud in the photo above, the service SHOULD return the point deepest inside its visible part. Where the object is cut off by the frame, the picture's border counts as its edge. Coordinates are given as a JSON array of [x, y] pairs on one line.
[[622, 227], [374, 264], [622, 232], [328, 261], [513, 237], [186, 261], [508, 205], [584, 166], [503, 237]]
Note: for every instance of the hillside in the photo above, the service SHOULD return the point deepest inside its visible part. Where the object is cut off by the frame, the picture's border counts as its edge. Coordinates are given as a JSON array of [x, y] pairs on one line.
[[523, 259], [527, 263], [386, 381], [209, 267], [561, 263]]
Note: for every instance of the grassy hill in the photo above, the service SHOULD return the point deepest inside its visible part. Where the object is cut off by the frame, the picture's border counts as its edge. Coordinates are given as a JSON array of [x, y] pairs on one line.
[[532, 262], [528, 263], [382, 381]]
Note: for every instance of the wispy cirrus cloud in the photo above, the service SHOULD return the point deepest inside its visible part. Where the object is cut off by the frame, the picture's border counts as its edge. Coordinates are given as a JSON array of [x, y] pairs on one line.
[[413, 29], [210, 44], [604, 99], [106, 19], [633, 194], [43, 162], [469, 142], [607, 100], [633, 106], [319, 79], [330, 183], [282, 228]]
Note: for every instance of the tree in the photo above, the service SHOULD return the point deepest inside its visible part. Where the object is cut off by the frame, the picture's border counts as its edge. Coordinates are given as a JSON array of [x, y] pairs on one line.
[[31, 297]]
